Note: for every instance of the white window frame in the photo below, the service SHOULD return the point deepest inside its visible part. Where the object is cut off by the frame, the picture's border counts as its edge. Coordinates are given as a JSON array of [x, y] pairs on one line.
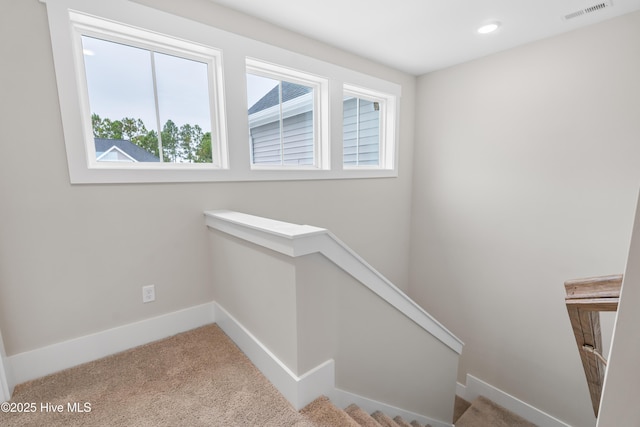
[[320, 87], [85, 25], [387, 117], [230, 106]]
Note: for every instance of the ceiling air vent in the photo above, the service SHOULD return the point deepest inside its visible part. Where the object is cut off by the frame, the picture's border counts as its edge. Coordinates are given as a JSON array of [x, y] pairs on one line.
[[587, 10]]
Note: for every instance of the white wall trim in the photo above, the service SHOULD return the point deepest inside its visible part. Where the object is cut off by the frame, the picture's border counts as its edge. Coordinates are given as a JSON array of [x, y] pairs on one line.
[[56, 357], [235, 48], [5, 394], [5, 375], [476, 387], [298, 240], [302, 390], [342, 399], [298, 390]]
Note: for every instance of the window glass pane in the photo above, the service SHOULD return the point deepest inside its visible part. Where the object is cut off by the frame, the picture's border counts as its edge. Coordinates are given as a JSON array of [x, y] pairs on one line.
[[265, 124], [120, 86], [361, 132], [350, 131], [122, 98], [183, 102], [280, 122], [113, 156]]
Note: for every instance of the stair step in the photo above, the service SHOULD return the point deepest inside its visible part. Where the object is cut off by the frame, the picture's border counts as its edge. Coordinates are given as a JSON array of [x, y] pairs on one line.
[[459, 408], [323, 413], [486, 412], [360, 416], [481, 412], [383, 419], [401, 422]]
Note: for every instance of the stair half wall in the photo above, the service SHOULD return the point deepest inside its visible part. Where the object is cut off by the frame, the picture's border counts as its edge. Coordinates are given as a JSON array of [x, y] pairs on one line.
[[309, 299]]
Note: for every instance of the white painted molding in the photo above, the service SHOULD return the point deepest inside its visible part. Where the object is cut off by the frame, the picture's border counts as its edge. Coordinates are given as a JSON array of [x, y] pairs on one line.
[[56, 357], [461, 390], [5, 395], [476, 387], [289, 239], [302, 390], [298, 390], [5, 370], [72, 98], [298, 240], [342, 399]]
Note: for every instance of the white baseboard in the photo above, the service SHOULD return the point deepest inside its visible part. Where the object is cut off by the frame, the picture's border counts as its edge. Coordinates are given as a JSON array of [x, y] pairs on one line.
[[56, 357], [5, 393], [342, 399], [5, 375], [298, 390], [302, 390], [476, 387]]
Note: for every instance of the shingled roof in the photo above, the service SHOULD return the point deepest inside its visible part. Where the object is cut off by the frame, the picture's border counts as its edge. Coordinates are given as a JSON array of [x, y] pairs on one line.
[[271, 98], [133, 150]]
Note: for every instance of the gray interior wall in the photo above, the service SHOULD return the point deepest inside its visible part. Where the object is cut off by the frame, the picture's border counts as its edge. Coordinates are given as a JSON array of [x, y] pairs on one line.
[[307, 310], [379, 352], [526, 175], [257, 286], [73, 259]]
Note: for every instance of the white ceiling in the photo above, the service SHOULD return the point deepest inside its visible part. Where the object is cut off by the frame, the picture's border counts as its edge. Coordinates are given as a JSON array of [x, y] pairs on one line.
[[420, 36]]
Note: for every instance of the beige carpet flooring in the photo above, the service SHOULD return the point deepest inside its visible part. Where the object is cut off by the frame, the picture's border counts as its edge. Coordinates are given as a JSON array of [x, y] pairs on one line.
[[460, 407], [198, 378]]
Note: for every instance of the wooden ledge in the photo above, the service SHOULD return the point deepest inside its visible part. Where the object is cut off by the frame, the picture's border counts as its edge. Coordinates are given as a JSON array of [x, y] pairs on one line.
[[594, 287]]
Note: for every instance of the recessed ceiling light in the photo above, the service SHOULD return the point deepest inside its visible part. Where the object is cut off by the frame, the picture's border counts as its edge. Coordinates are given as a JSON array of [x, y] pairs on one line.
[[88, 52], [489, 28]]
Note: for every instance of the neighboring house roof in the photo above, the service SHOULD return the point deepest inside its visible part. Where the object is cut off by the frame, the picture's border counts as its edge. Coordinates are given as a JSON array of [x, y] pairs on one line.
[[134, 151], [289, 92]]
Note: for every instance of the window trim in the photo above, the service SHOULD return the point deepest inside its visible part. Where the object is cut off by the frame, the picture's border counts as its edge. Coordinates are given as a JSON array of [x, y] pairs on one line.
[[230, 91], [386, 152], [90, 26], [320, 86]]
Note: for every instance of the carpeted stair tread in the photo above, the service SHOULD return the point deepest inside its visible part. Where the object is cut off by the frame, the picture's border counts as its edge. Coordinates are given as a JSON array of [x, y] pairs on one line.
[[322, 413], [414, 423], [401, 422], [484, 412], [360, 416], [460, 408], [383, 419]]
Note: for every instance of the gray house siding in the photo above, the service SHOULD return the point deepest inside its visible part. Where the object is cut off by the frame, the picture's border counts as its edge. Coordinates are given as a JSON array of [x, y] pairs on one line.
[[361, 138], [361, 131], [297, 141]]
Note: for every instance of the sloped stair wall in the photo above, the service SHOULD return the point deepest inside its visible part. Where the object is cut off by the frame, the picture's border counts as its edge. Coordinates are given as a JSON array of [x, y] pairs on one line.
[[309, 299]]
